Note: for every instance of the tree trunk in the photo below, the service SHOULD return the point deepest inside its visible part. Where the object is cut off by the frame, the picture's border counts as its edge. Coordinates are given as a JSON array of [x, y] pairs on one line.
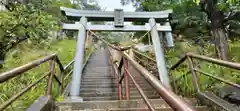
[[221, 43], [217, 18]]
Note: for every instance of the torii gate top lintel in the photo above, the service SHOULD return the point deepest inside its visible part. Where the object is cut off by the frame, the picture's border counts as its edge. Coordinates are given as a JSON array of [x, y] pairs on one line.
[[74, 14]]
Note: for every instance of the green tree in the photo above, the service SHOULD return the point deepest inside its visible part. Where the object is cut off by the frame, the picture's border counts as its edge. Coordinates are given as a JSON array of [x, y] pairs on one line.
[[22, 24], [219, 12], [30, 20], [205, 17]]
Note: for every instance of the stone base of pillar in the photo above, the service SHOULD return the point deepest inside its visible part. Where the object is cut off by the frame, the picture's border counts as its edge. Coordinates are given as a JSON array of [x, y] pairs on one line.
[[73, 99]]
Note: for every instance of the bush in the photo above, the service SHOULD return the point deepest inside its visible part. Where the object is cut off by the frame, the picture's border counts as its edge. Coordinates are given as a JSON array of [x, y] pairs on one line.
[[23, 54]]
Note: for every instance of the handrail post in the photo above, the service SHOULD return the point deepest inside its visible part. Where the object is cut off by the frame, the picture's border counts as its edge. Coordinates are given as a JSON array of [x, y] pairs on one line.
[[62, 71], [79, 59], [194, 74], [50, 78], [61, 86], [126, 79], [119, 86], [162, 70], [111, 62], [119, 82]]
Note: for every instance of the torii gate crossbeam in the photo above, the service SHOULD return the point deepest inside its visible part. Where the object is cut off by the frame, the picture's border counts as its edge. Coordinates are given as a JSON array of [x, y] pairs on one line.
[[73, 14], [126, 28]]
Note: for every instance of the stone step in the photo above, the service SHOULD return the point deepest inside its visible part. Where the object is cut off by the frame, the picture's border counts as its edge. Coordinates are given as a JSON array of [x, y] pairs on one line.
[[105, 83], [116, 97], [111, 85], [104, 76], [114, 89], [89, 76], [101, 67], [105, 71], [106, 98], [101, 75], [67, 108], [97, 74], [198, 108], [102, 94], [124, 104], [104, 63], [107, 79], [112, 82], [97, 68], [98, 80]]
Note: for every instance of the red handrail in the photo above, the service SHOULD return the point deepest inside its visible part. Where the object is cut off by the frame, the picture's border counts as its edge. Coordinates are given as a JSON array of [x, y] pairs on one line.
[[172, 99]]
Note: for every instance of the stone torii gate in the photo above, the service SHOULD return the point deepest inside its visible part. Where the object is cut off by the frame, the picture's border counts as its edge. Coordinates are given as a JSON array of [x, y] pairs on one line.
[[119, 17]]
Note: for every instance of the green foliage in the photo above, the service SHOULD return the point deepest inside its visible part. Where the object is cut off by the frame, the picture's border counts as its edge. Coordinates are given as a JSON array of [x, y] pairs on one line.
[[29, 22], [118, 38], [155, 5], [23, 54], [193, 22], [184, 86], [36, 20]]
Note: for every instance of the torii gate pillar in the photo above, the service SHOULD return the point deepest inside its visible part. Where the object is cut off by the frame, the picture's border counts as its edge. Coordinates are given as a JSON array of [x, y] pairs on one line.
[[79, 59], [162, 70]]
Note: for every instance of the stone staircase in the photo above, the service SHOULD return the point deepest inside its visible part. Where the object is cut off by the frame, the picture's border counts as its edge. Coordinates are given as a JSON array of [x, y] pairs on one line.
[[99, 90]]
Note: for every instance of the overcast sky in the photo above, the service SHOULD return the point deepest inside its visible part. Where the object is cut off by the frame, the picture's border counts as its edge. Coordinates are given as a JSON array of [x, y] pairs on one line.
[[110, 5]]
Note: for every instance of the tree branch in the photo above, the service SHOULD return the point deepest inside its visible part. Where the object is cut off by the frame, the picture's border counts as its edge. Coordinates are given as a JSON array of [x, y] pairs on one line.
[[235, 16]]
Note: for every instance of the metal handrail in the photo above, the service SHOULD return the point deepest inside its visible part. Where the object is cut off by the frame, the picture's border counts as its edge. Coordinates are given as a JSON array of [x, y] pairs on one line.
[[5, 76], [179, 62], [19, 70], [144, 55], [172, 99], [207, 59], [15, 97], [218, 78], [194, 69], [215, 61], [123, 77], [145, 98], [116, 74]]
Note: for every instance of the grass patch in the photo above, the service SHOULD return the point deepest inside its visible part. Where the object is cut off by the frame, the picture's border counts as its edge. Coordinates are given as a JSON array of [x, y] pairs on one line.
[[184, 86], [23, 54]]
